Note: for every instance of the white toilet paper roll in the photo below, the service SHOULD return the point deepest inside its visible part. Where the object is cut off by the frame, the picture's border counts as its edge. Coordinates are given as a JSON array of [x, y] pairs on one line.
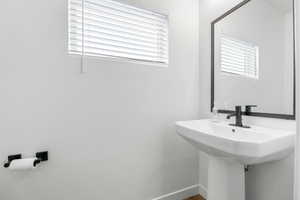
[[22, 164]]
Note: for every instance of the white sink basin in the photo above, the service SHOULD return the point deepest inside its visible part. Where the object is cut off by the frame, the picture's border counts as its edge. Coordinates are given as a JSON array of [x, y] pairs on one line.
[[248, 146], [230, 148]]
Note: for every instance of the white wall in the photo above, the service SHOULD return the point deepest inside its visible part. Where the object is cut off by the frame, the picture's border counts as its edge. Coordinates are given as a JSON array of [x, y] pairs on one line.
[[288, 63], [270, 181], [109, 132]]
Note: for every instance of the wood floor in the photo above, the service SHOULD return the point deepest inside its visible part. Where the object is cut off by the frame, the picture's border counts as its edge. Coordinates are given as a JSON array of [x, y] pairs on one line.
[[198, 197]]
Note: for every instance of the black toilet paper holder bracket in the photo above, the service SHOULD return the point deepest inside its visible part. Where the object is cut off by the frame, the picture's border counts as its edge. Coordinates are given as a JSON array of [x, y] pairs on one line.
[[41, 157], [11, 158]]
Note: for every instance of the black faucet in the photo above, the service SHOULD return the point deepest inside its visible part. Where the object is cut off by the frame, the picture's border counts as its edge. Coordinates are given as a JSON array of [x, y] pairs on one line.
[[238, 117]]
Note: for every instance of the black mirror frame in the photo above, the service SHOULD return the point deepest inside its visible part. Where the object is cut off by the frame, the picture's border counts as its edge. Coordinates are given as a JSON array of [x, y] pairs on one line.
[[256, 114]]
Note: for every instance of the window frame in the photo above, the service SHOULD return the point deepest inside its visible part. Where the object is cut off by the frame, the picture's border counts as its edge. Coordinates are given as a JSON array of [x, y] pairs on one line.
[[123, 59]]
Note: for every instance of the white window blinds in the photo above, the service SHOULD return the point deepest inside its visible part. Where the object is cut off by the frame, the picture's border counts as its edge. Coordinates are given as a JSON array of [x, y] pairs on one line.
[[106, 28], [239, 57]]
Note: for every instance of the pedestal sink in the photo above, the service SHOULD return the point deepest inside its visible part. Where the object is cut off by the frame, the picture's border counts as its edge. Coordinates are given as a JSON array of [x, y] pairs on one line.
[[230, 149]]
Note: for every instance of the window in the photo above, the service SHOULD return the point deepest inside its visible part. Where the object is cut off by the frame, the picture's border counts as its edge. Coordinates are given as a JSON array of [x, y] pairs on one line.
[[239, 57], [106, 28]]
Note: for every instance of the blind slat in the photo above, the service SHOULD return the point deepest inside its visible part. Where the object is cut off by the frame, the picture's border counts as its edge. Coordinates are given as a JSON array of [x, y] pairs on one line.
[[97, 31], [96, 51], [127, 41], [115, 47]]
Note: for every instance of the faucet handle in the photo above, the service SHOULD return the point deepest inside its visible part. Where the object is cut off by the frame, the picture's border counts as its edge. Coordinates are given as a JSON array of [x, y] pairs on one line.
[[248, 109]]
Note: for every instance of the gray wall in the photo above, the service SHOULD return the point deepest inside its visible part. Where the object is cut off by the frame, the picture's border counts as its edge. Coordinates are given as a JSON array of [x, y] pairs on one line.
[[270, 181], [109, 132]]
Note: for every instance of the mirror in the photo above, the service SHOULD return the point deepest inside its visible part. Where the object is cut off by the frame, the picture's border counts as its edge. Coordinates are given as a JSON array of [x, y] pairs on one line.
[[253, 58]]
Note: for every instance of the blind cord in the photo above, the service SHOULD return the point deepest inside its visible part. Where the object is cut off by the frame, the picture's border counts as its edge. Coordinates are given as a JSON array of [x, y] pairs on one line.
[[83, 66]]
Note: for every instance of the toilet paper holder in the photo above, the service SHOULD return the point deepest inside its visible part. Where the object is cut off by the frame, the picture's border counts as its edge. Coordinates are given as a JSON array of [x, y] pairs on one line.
[[41, 157]]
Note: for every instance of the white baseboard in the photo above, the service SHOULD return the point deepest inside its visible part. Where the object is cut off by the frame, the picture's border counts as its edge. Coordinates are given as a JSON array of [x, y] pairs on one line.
[[203, 191], [183, 193]]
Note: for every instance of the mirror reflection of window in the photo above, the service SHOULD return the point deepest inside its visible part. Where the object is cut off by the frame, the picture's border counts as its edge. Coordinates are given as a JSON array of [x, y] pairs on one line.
[[239, 57]]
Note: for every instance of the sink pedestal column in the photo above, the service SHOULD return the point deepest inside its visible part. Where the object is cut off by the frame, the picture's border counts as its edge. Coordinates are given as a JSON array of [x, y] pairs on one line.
[[226, 179]]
